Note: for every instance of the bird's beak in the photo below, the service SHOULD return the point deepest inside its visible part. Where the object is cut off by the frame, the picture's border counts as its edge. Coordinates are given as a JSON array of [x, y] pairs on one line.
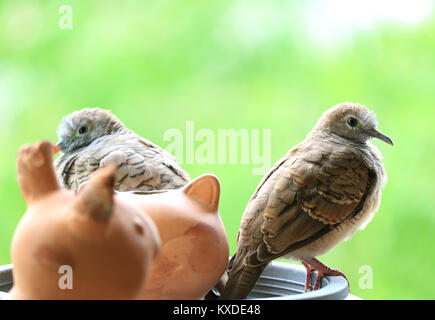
[[377, 134], [56, 149], [60, 145]]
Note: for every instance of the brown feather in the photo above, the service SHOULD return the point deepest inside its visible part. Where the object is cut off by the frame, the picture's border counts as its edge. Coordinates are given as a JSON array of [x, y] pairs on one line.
[[318, 194]]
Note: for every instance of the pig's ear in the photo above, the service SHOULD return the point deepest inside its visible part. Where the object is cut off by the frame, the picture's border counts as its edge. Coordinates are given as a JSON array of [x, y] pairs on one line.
[[35, 171], [206, 190], [95, 199]]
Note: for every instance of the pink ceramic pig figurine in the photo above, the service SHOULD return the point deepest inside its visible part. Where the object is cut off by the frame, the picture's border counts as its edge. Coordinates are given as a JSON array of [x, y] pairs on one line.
[[87, 246], [194, 252]]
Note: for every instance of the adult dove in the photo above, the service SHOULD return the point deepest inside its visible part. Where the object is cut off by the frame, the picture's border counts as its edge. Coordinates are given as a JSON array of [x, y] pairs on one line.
[[318, 194], [93, 138]]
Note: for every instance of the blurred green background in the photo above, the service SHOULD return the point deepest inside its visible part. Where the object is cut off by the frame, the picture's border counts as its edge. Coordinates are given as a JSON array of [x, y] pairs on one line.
[[239, 64]]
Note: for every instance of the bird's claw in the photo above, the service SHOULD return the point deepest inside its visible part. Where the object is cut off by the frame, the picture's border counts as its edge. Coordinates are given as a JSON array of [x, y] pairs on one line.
[[322, 270]]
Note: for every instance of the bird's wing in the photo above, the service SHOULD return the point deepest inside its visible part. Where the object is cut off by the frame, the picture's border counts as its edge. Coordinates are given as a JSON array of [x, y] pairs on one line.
[[267, 176], [141, 164], [173, 175], [311, 193]]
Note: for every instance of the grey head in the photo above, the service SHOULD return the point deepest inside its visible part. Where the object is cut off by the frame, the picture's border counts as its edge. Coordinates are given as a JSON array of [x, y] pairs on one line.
[[352, 121], [82, 127]]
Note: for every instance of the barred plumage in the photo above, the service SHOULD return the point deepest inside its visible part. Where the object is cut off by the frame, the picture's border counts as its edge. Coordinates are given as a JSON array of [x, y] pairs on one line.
[[317, 195], [142, 165]]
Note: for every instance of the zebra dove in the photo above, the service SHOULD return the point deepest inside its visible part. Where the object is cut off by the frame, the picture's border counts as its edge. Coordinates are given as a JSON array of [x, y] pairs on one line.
[[318, 194], [93, 138]]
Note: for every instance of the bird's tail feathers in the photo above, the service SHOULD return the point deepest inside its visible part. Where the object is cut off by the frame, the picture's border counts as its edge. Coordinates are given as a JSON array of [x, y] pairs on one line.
[[242, 278]]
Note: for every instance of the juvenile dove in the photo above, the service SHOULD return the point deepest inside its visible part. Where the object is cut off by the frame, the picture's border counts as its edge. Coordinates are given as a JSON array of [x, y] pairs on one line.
[[317, 195], [93, 138]]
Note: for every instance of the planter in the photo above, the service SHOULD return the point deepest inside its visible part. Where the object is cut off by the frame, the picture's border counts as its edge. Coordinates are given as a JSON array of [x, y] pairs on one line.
[[6, 280], [279, 281], [284, 281]]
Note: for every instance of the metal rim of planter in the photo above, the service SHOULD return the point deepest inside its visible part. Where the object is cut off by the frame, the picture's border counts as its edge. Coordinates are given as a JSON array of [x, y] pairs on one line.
[[5, 280], [284, 281], [279, 281]]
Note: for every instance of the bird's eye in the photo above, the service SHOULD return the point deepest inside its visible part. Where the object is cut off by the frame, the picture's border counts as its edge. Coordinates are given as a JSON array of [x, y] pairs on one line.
[[83, 129], [352, 122]]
